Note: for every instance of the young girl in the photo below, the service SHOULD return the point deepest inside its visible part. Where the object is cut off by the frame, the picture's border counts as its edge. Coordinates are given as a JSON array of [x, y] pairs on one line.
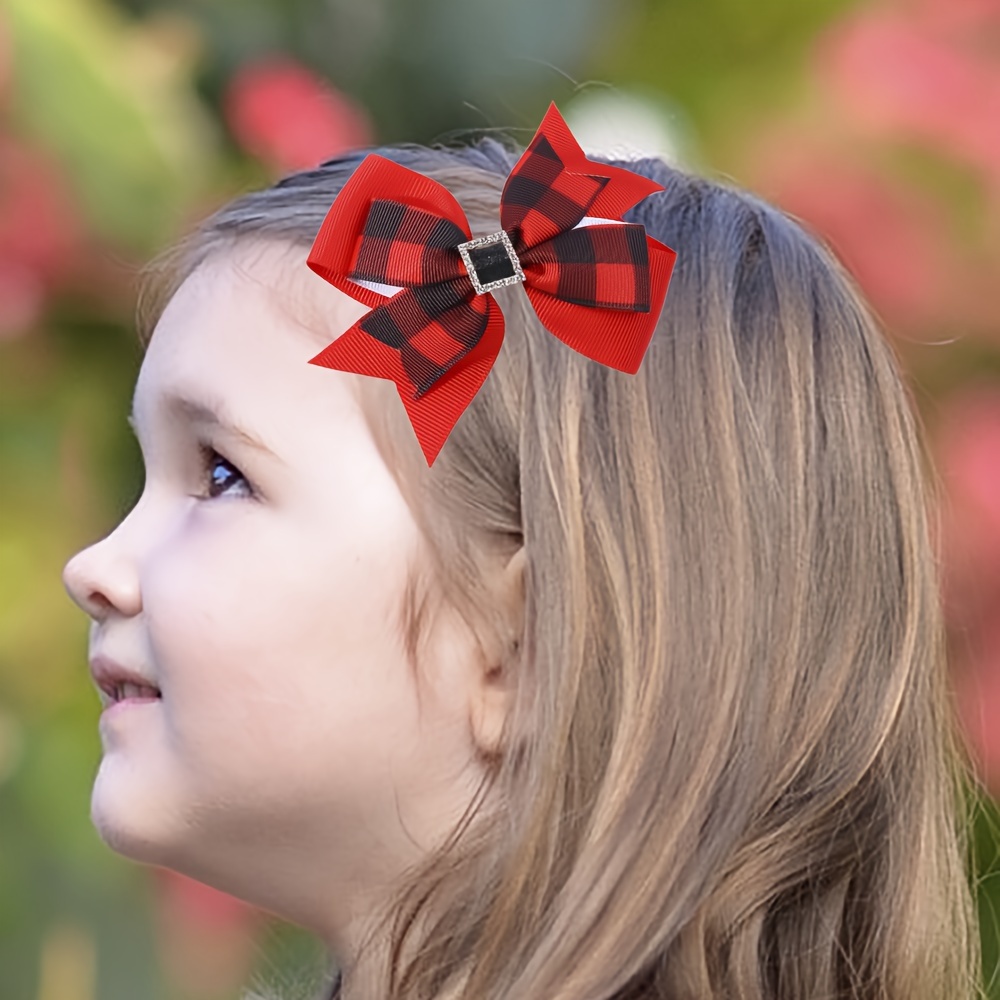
[[637, 691]]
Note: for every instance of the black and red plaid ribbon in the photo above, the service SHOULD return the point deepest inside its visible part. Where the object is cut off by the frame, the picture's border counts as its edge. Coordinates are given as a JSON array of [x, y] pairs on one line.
[[391, 240]]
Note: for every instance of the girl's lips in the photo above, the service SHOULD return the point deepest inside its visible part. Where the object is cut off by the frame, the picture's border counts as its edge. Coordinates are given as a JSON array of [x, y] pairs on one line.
[[116, 708], [108, 674]]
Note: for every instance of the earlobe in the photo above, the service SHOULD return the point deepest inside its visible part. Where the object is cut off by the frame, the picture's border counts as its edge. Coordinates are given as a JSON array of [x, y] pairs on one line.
[[495, 690]]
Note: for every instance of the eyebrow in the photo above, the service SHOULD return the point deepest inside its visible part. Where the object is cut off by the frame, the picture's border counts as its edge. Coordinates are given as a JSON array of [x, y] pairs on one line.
[[209, 413]]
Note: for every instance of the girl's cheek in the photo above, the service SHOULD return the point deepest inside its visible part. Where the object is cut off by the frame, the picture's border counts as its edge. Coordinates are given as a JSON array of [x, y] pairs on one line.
[[208, 532], [190, 568]]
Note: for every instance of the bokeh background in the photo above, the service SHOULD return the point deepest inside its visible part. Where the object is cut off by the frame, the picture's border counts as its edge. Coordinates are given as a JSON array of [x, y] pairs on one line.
[[123, 122]]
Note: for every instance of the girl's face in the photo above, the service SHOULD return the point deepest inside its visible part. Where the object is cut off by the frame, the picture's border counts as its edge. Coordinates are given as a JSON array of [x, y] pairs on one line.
[[292, 760]]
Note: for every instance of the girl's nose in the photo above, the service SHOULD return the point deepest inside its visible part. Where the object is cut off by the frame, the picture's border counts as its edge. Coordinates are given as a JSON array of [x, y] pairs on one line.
[[102, 578]]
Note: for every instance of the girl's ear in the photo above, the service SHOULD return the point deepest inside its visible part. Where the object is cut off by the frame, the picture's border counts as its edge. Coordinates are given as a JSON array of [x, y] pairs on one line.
[[494, 690]]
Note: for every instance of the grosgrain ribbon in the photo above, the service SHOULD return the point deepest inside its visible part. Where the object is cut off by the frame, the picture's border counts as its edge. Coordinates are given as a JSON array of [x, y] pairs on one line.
[[390, 240]]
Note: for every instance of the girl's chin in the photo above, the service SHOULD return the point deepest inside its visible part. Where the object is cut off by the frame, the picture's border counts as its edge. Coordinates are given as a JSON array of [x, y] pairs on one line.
[[131, 809]]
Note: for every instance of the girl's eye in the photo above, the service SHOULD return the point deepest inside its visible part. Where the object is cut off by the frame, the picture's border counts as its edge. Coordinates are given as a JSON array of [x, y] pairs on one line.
[[219, 479]]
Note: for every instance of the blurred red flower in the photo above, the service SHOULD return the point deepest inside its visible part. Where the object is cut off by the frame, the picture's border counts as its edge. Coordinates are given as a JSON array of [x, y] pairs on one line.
[[41, 234], [291, 119], [206, 939]]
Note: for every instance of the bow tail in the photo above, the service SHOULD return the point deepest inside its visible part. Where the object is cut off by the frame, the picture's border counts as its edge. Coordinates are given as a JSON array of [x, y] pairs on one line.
[[434, 413], [614, 337]]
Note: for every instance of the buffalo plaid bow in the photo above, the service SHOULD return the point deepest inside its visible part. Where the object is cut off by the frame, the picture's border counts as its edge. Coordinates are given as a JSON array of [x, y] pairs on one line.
[[399, 242]]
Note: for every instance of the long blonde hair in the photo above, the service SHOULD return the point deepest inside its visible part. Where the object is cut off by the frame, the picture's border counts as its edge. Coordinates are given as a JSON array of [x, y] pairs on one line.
[[732, 769]]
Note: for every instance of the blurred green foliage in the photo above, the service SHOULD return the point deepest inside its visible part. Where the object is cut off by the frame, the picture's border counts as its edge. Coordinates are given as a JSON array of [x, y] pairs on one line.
[[137, 145], [727, 63]]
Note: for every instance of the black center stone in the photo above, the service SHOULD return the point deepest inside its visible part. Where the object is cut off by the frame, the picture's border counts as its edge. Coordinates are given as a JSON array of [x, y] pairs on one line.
[[491, 263]]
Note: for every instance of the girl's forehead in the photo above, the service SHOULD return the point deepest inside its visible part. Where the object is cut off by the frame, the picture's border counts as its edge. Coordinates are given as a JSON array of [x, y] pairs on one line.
[[231, 279], [242, 328], [255, 274], [216, 322]]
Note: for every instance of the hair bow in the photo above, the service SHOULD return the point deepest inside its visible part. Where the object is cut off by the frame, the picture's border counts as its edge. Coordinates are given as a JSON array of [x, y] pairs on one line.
[[399, 242]]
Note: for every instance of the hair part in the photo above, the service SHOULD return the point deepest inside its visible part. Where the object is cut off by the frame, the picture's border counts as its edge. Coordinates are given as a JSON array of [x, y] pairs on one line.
[[732, 768]]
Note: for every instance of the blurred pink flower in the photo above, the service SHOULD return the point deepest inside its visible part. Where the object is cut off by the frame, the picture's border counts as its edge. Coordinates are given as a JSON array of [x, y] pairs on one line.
[[40, 233], [977, 693], [921, 73], [972, 458], [967, 452], [959, 19], [889, 236], [287, 116]]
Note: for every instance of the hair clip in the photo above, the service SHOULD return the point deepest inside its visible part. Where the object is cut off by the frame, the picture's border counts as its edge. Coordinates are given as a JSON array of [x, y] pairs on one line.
[[399, 242]]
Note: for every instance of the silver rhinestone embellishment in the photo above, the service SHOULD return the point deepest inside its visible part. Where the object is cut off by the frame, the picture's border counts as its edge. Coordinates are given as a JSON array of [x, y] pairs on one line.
[[502, 239]]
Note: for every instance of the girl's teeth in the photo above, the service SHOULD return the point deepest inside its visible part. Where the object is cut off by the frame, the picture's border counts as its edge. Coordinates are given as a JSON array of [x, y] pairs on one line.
[[129, 690]]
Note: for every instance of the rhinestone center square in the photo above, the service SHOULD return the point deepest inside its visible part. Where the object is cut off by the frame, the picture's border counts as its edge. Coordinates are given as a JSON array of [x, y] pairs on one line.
[[491, 262]]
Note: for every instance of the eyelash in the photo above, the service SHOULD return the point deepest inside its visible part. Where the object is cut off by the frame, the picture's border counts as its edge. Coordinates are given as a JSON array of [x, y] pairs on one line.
[[209, 458]]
